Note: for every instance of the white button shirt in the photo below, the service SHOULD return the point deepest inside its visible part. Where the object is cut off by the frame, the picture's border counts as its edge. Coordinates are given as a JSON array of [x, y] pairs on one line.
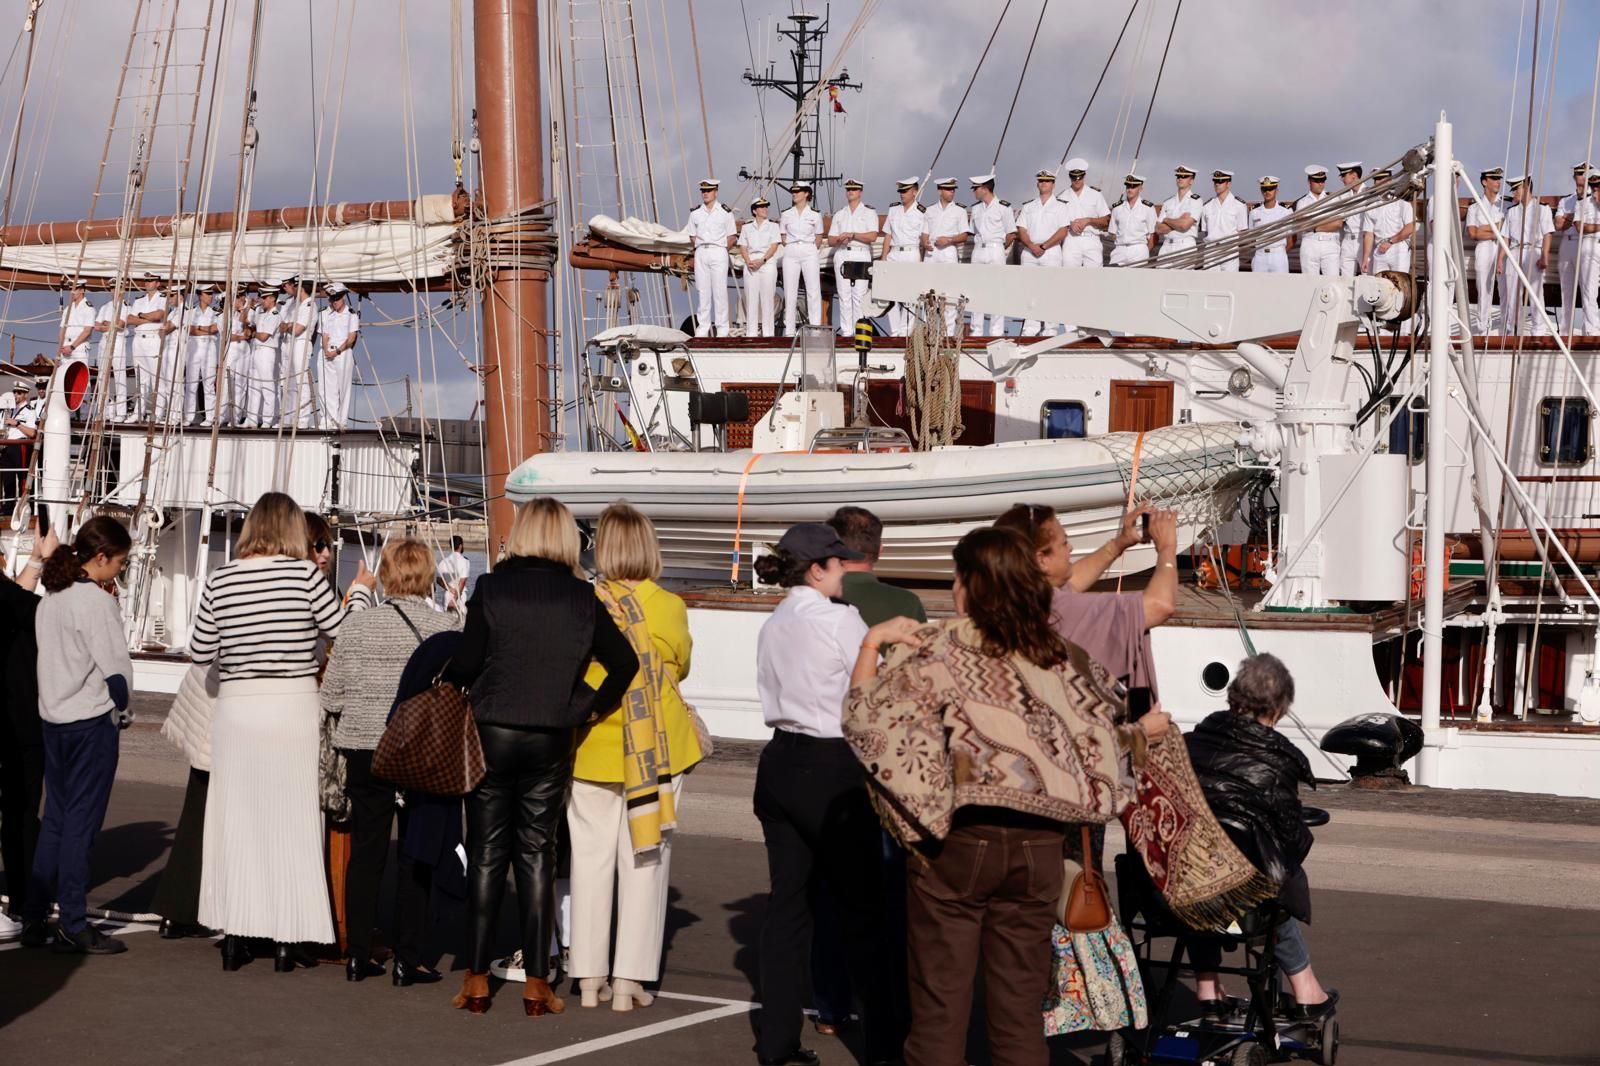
[[202, 315], [804, 655], [1588, 215], [860, 219], [1305, 203], [1175, 207], [28, 415], [1485, 215], [948, 221], [1353, 224], [1539, 223], [1042, 219], [337, 326], [1133, 223], [304, 314], [1261, 215], [1569, 207], [713, 226], [800, 227], [77, 317], [267, 322], [1223, 218], [1086, 204], [991, 222], [143, 306], [904, 229], [111, 314]]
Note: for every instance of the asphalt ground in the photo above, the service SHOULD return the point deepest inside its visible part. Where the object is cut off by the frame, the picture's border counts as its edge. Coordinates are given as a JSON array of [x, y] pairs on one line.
[[1459, 927]]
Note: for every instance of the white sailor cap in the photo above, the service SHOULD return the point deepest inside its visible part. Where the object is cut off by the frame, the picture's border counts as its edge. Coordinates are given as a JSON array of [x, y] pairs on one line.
[[760, 201], [1269, 181], [292, 279], [854, 183], [1493, 172], [945, 183], [1316, 172], [1077, 165], [149, 276], [1183, 170], [22, 385], [335, 290], [1580, 168], [1520, 179], [1221, 175], [802, 184], [1345, 168], [907, 183], [269, 290], [74, 283], [1381, 174], [981, 179], [205, 286], [707, 184], [1045, 174], [1131, 181]]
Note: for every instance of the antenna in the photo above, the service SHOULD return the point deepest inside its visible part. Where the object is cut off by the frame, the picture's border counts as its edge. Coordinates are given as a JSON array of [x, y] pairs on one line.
[[806, 163]]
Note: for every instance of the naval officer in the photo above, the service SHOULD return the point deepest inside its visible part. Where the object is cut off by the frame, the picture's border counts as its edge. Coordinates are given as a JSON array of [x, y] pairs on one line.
[[1270, 258], [146, 316], [852, 232], [1319, 248], [338, 330], [261, 384], [1088, 215], [801, 229], [200, 358], [1222, 216], [1041, 227], [1133, 224], [1178, 220], [1387, 242], [712, 230], [1488, 261], [994, 231], [1569, 245], [1351, 226], [761, 246], [1530, 230], [77, 319], [111, 322], [1587, 223], [948, 229], [903, 230]]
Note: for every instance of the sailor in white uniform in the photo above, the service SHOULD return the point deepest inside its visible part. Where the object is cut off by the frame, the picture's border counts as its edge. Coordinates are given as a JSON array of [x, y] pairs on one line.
[[1587, 223], [77, 319], [200, 367], [1133, 224], [903, 230], [1178, 218], [1568, 245], [1222, 216], [712, 231], [299, 340], [994, 231], [1530, 230], [1350, 228], [1270, 258], [145, 316], [1088, 215], [801, 229], [21, 425], [1488, 261], [948, 229], [111, 355], [261, 380], [1319, 247], [338, 329], [1041, 227], [761, 245], [852, 232], [236, 364], [1387, 242], [174, 354]]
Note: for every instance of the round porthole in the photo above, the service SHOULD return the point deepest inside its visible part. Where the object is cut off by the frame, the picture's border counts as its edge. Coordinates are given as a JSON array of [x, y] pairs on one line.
[[1214, 678]]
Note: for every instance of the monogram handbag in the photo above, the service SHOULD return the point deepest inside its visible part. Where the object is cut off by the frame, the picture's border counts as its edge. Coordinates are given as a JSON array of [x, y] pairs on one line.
[[431, 744], [1088, 904]]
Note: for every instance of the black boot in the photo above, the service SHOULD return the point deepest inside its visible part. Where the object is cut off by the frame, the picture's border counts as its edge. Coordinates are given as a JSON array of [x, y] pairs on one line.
[[361, 967], [234, 953], [407, 975], [284, 957]]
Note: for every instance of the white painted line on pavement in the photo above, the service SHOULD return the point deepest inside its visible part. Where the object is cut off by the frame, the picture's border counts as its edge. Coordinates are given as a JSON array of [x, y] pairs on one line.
[[728, 1009]]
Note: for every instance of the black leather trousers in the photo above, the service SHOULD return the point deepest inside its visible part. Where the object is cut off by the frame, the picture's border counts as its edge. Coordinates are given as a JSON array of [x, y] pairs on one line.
[[512, 821]]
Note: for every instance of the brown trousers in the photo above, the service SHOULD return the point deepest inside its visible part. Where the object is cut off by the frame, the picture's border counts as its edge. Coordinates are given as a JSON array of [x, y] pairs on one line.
[[990, 893]]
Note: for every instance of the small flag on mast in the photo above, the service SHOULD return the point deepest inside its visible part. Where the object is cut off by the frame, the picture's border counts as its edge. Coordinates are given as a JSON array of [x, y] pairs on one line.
[[833, 94]]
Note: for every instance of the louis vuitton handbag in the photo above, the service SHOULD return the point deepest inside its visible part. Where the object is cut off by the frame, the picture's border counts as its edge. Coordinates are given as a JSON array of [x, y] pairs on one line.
[[431, 744]]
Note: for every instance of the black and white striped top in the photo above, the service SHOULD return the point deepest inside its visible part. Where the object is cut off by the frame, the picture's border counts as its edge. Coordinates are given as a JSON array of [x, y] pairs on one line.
[[261, 617]]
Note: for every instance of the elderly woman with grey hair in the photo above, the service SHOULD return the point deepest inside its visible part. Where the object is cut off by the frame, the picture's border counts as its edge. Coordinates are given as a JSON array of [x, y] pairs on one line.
[[1251, 775]]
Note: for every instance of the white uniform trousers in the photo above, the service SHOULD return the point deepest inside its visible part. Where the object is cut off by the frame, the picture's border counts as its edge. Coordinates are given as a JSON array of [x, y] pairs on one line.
[[801, 261], [603, 859], [1083, 250], [235, 378], [1397, 258], [1227, 266], [1484, 256], [261, 387], [900, 314], [1051, 258], [760, 299], [334, 381], [1349, 257], [850, 297], [1265, 262], [146, 358], [169, 383], [946, 255], [1172, 245], [1588, 282], [711, 287], [200, 372], [113, 362], [299, 403], [1515, 303], [1125, 254], [990, 254], [1567, 272], [1319, 255]]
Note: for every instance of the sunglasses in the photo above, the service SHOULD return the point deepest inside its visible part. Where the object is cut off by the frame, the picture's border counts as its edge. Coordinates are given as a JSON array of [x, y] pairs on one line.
[[320, 545], [1076, 174]]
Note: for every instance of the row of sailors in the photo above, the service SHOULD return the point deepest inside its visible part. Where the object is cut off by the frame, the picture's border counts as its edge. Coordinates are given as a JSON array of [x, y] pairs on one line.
[[173, 353], [1535, 233]]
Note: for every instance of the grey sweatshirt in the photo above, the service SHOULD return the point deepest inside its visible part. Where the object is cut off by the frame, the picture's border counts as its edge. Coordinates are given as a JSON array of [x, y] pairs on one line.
[[84, 667]]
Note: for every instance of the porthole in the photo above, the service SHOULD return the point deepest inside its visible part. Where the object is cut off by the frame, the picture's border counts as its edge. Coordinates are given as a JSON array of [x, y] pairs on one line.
[[1215, 677]]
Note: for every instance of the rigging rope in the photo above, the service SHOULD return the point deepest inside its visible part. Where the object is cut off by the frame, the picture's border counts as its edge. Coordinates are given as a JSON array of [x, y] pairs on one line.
[[1096, 90], [970, 83], [1021, 77], [1138, 149], [933, 377]]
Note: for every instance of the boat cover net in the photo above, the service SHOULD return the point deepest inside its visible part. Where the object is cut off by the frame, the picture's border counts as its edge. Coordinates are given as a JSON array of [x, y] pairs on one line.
[[1198, 470]]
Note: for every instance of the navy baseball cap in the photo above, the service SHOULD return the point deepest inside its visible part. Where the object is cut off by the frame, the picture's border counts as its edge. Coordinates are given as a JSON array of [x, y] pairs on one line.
[[812, 542]]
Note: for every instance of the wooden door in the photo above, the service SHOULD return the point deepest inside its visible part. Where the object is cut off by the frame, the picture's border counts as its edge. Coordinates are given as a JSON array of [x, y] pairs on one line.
[[886, 400], [1140, 405]]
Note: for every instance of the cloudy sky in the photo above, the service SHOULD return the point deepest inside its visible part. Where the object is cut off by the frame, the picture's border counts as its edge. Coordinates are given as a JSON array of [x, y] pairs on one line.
[[1259, 87]]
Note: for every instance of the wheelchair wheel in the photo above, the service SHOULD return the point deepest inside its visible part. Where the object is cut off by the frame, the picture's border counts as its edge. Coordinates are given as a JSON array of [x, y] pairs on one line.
[[1249, 1055], [1329, 1048], [1118, 1053]]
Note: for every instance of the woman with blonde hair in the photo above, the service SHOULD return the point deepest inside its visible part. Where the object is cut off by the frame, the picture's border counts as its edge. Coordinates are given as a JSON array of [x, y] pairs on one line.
[[533, 627], [260, 619], [358, 689], [629, 773]]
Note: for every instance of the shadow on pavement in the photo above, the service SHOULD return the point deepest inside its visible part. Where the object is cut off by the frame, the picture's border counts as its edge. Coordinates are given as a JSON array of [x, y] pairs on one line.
[[30, 977], [123, 851]]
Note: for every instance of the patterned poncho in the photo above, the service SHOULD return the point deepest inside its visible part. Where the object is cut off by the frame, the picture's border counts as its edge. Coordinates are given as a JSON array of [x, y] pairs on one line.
[[945, 725]]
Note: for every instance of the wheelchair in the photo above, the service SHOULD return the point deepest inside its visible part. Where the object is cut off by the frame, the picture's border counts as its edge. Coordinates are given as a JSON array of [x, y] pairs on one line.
[[1259, 1030]]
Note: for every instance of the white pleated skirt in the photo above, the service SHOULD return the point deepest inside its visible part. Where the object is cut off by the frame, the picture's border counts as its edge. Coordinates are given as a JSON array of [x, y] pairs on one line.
[[263, 870]]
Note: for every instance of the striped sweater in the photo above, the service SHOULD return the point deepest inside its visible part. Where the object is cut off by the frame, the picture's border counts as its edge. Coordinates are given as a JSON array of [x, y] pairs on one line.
[[366, 663], [262, 617]]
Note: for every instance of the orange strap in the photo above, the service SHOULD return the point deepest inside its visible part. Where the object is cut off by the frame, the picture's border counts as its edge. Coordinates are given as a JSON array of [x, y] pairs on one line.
[[1133, 485], [738, 514]]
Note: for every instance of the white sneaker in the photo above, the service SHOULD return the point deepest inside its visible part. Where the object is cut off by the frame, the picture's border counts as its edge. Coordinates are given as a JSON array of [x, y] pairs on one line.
[[10, 928]]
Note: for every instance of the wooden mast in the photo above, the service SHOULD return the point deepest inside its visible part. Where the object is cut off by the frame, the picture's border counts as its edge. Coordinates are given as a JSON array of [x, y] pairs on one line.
[[516, 336]]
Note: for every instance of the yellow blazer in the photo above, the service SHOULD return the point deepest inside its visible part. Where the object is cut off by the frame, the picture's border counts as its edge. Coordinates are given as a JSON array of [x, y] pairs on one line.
[[599, 756]]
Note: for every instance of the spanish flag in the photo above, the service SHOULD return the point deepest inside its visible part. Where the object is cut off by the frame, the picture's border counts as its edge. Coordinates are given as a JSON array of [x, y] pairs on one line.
[[833, 94], [634, 439]]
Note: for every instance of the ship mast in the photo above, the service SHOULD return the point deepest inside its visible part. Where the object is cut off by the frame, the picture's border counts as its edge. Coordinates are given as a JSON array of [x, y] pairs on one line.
[[806, 162], [516, 336]]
